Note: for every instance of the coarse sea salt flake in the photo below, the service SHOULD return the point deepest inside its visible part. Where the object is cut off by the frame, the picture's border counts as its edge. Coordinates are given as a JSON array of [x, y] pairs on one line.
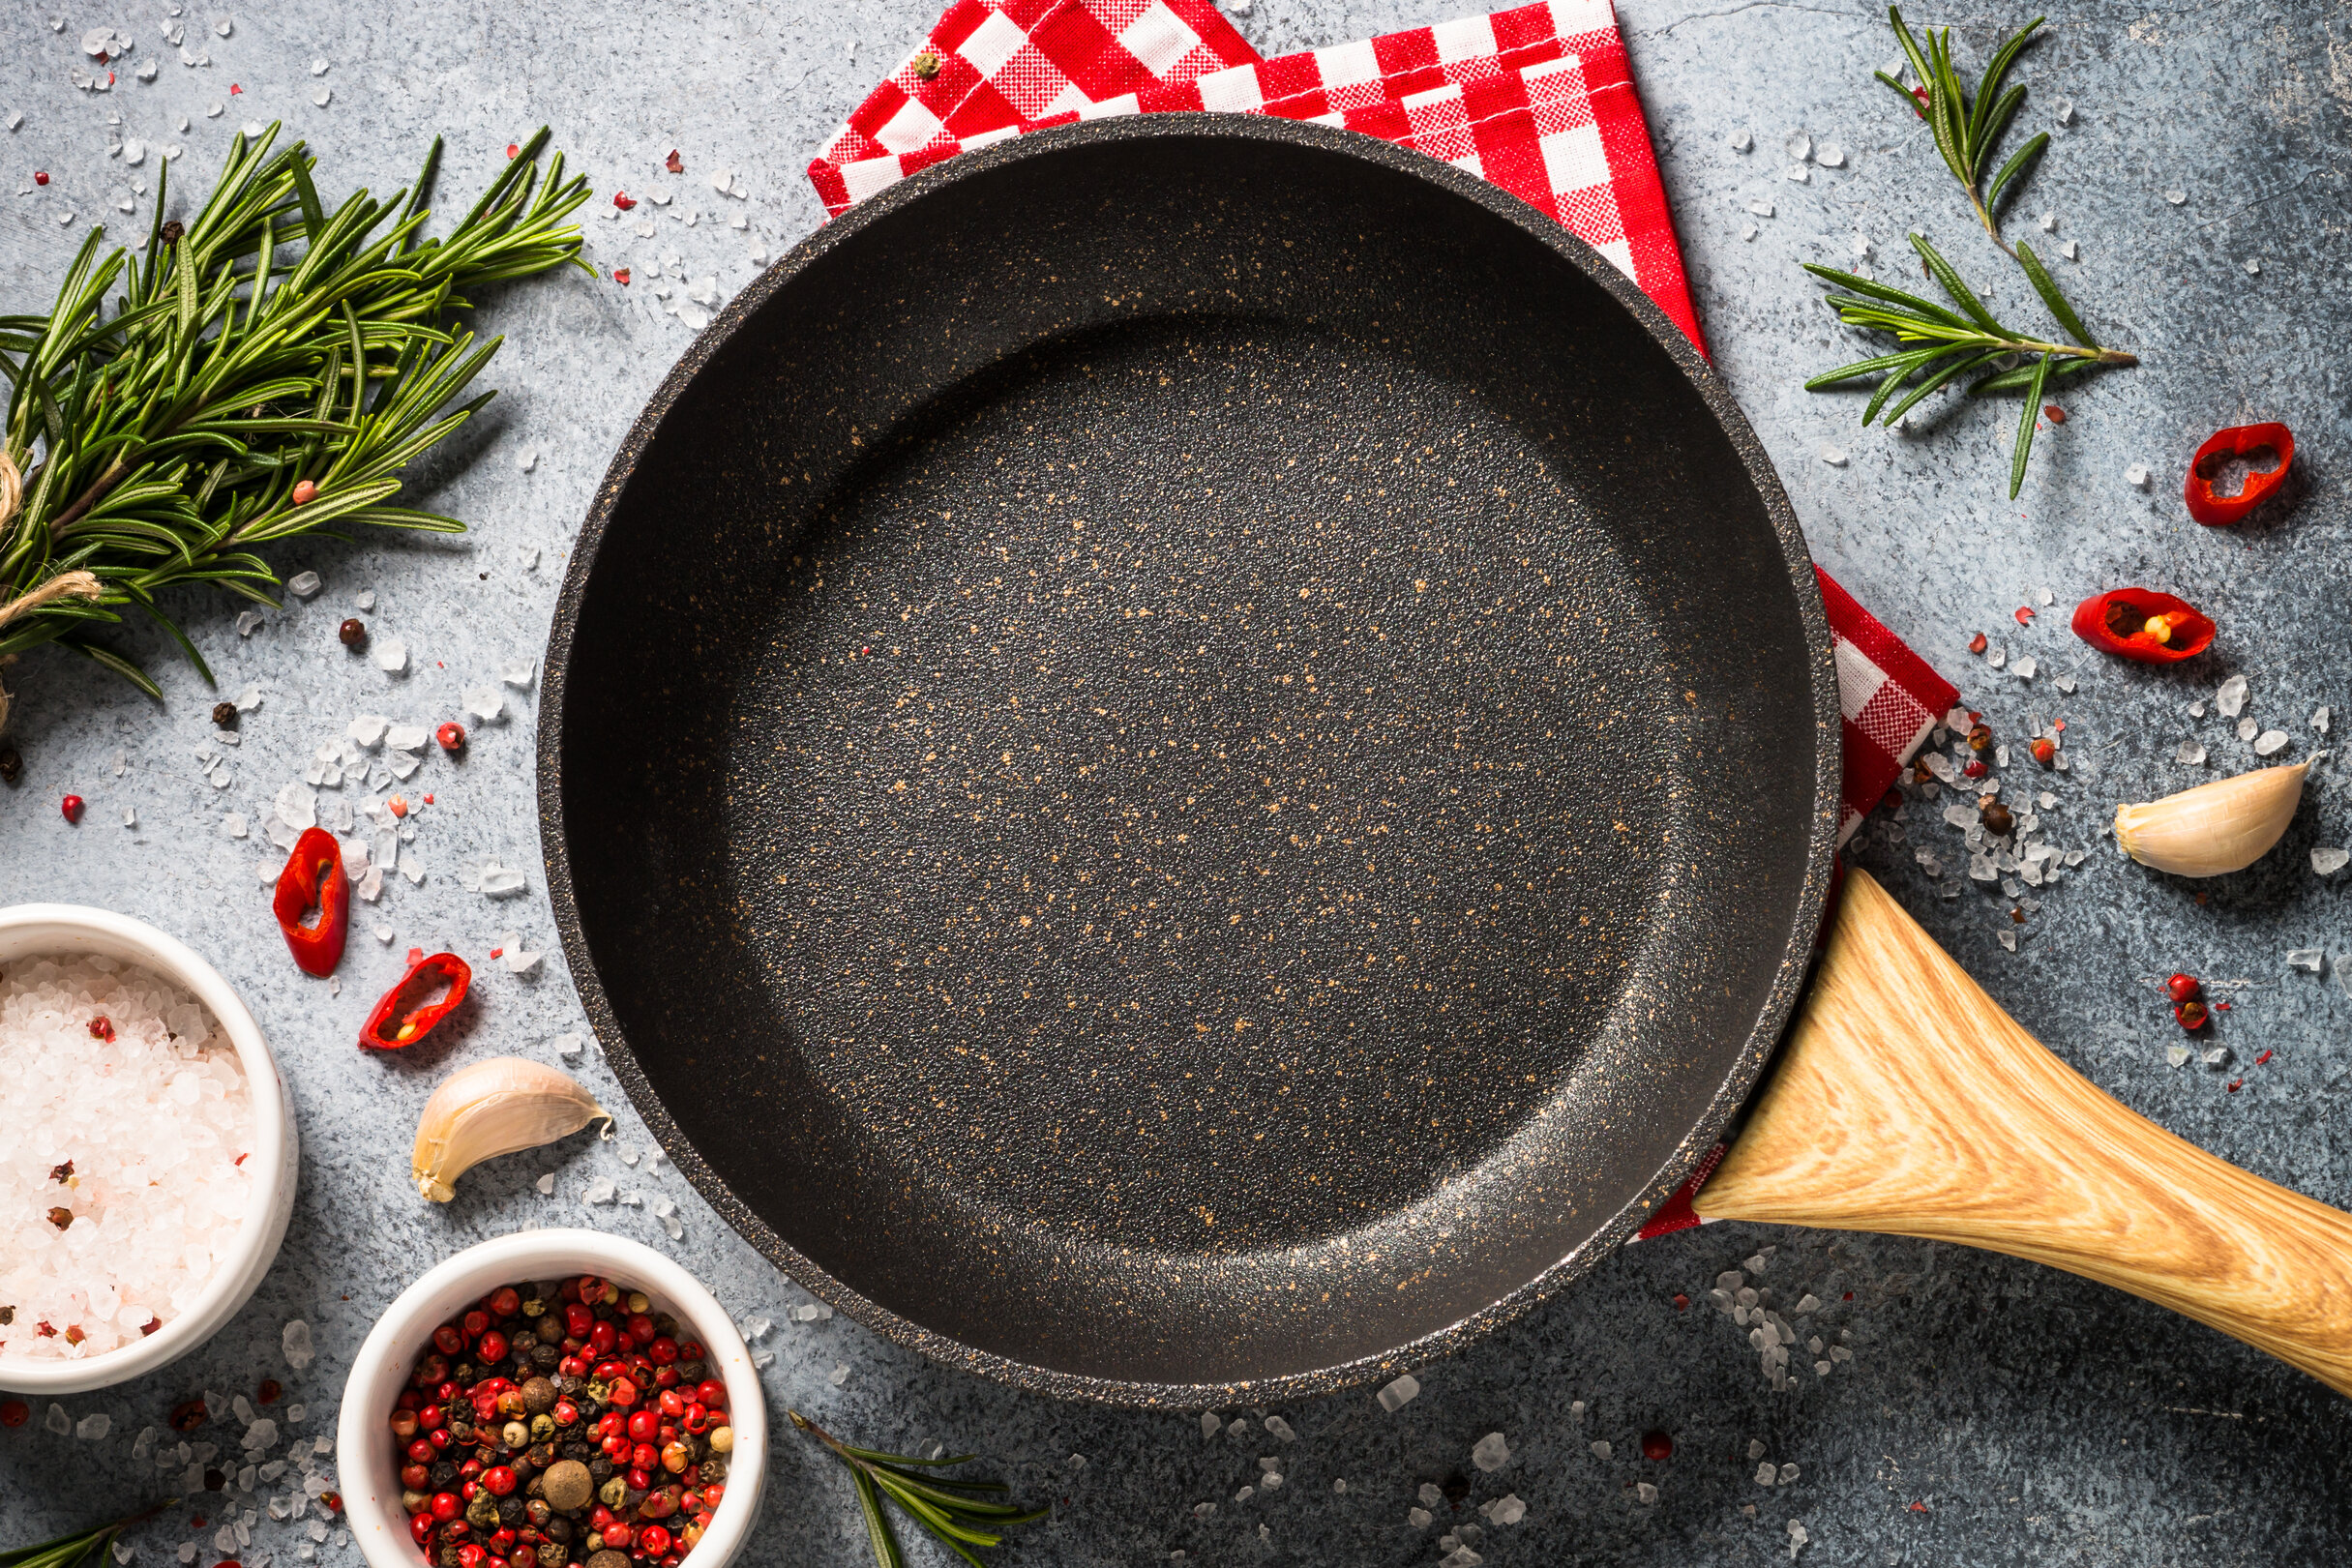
[[94, 1426], [295, 1341], [1400, 1392], [1491, 1452], [1761, 208], [2230, 698], [485, 702], [2327, 861], [2136, 475], [390, 655], [1741, 141], [301, 584], [2270, 742]]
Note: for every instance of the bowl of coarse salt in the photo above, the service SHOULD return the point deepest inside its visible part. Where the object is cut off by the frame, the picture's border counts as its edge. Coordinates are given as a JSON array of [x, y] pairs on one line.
[[148, 1156]]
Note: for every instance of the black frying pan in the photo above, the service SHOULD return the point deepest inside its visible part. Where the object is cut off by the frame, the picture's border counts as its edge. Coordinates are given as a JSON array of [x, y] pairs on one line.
[[1189, 755]]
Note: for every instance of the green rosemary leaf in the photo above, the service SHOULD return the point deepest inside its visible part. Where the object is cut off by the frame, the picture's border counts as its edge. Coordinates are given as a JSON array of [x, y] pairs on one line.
[[2047, 287], [1995, 72], [115, 662], [878, 1537], [2014, 168], [1912, 364], [1908, 99], [188, 649], [1995, 123], [1926, 388], [1881, 291], [2025, 424], [1961, 294], [1859, 369], [2011, 380]]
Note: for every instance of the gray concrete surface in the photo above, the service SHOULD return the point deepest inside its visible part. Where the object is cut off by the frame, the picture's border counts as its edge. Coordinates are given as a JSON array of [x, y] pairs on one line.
[[1994, 1413]]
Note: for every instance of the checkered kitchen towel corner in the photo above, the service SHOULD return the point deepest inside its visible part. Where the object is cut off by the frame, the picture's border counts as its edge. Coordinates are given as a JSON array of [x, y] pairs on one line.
[[989, 66], [1535, 99]]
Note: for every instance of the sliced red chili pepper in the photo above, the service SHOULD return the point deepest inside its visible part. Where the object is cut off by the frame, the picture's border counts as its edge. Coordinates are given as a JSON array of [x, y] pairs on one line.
[[2142, 624], [314, 878], [428, 992], [2249, 442]]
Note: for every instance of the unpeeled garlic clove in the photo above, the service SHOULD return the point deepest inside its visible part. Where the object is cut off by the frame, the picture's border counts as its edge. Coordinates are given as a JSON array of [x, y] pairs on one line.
[[2218, 827], [492, 1108]]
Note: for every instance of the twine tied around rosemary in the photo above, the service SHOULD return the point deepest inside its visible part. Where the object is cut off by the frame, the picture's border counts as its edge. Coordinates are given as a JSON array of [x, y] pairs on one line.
[[64, 586]]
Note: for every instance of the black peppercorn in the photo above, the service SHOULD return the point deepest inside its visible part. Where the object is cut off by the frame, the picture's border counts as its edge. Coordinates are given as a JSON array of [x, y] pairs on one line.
[[510, 1511], [1996, 817], [352, 632], [444, 1476], [601, 1468], [12, 765], [173, 228], [559, 1530], [224, 715], [546, 1357]]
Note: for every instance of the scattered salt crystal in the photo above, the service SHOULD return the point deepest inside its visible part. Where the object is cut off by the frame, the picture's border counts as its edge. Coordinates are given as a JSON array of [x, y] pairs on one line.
[[295, 1341], [841, 1375], [1270, 1480], [94, 1426], [1280, 1428], [249, 622], [1431, 1495], [2176, 197], [2327, 861], [2190, 751], [1800, 173], [221, 26], [2024, 668], [1399, 1393], [2177, 1055], [1834, 456], [567, 1045], [2319, 721], [520, 673], [301, 584], [2064, 683], [527, 459], [546, 1185], [1643, 1490], [485, 702], [1459, 1557], [1506, 1510], [499, 883], [2246, 728], [321, 96], [1796, 1538], [1761, 208], [2136, 474], [1419, 1518], [1601, 1448], [600, 1191], [369, 730], [129, 817], [408, 737], [1490, 1453], [1831, 156], [1767, 1474], [1747, 231], [2231, 698], [1340, 1485], [2270, 742], [1741, 141], [390, 655], [2306, 958], [2066, 111], [318, 67], [383, 934]]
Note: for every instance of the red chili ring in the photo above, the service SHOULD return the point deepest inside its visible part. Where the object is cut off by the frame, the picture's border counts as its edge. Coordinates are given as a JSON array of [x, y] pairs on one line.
[[2117, 622], [2238, 441]]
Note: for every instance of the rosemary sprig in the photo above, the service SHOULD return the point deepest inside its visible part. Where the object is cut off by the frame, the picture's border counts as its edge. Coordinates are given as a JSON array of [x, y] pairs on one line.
[[1968, 130], [265, 344], [1958, 343], [940, 1504], [85, 1549]]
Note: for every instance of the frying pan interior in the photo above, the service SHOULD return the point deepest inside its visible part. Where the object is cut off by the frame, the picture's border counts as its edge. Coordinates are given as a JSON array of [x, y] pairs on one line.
[[1188, 757]]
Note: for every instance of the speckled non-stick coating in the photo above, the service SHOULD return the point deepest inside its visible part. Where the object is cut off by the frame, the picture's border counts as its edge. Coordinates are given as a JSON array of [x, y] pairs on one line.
[[1189, 759]]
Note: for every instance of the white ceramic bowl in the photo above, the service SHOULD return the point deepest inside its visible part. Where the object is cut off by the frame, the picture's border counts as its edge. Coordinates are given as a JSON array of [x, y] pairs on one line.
[[66, 930], [364, 1460]]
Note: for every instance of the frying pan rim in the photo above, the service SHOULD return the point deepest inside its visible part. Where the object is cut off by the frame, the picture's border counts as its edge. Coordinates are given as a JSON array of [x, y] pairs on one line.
[[1746, 1067]]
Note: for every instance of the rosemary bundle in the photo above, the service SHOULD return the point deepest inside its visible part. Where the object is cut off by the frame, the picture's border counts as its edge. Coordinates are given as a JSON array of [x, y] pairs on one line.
[[957, 1514], [1965, 340], [268, 368]]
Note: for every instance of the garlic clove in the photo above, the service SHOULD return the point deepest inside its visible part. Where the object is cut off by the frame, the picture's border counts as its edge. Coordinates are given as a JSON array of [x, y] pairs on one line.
[[2218, 827], [492, 1108]]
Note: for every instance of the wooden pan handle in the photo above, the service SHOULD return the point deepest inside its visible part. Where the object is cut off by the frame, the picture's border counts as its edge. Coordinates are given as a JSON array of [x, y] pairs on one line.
[[1905, 1100]]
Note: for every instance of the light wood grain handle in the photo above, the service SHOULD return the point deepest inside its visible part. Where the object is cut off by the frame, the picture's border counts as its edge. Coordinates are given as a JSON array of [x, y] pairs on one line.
[[1905, 1100]]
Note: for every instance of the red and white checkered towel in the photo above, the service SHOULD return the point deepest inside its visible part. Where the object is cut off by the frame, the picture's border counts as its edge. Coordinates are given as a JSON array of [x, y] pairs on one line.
[[1535, 99]]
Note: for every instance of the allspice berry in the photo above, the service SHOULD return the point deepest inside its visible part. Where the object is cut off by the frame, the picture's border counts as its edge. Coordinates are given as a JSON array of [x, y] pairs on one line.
[[224, 714], [538, 1396], [352, 632], [567, 1486]]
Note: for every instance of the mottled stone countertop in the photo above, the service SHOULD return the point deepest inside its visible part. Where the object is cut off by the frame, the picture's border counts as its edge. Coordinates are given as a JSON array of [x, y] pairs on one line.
[[1993, 1411]]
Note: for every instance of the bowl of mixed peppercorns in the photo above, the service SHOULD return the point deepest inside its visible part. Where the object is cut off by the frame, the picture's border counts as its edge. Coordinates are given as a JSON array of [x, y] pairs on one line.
[[559, 1399]]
